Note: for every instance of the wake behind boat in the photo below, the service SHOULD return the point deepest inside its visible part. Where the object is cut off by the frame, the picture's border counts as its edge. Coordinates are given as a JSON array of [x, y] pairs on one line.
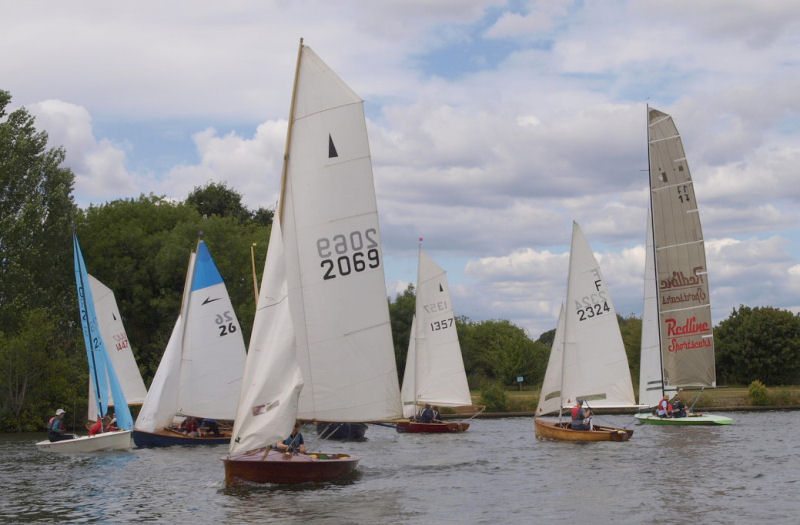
[[677, 349], [587, 360]]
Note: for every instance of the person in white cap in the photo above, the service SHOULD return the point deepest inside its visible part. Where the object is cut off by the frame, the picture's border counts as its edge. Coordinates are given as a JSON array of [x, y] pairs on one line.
[[55, 427]]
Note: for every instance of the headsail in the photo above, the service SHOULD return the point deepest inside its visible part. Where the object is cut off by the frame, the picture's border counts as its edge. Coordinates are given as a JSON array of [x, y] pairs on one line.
[[334, 264], [118, 347], [595, 364], [651, 382], [550, 393], [687, 344], [272, 381], [101, 369], [408, 392]]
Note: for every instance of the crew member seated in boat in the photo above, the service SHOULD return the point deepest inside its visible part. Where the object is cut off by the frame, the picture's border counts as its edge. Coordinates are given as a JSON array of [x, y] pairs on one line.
[[436, 417], [211, 426], [581, 417], [426, 416], [663, 409], [103, 425], [189, 427], [55, 427], [679, 410], [293, 443]]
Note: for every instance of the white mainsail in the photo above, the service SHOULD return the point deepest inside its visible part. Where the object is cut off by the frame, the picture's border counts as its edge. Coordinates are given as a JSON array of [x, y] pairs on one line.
[[201, 370], [437, 372], [550, 393], [334, 264], [682, 294], [119, 350], [595, 366]]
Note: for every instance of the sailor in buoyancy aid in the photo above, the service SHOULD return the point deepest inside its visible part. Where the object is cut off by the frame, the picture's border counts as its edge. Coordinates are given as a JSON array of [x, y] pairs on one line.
[[581, 417]]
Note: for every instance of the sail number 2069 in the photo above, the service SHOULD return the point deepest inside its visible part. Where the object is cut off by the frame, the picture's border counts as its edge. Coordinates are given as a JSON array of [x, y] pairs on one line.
[[343, 254]]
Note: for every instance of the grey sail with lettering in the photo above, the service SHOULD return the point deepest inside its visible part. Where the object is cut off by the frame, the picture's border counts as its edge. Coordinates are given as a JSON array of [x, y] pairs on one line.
[[684, 309]]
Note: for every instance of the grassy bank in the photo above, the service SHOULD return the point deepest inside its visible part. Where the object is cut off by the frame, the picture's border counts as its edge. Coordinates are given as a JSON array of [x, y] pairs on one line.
[[720, 398]]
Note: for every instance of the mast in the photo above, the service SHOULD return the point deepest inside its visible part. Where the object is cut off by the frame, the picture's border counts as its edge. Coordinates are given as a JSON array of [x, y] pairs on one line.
[[416, 329], [289, 133], [655, 259]]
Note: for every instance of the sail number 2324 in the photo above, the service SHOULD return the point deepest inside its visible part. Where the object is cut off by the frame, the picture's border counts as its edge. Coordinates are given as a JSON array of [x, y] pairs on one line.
[[343, 254]]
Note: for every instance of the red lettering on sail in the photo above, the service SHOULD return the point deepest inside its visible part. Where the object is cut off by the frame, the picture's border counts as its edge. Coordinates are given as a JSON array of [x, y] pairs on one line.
[[691, 326]]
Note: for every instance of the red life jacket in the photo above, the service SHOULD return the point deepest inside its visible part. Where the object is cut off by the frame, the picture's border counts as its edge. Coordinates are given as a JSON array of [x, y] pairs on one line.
[[575, 410]]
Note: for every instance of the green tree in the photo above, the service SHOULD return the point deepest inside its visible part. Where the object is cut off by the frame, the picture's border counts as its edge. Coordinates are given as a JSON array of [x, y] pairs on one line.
[[140, 249], [38, 313], [761, 343], [217, 199]]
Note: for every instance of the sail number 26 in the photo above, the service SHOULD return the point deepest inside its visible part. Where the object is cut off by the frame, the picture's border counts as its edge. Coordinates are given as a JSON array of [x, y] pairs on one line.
[[344, 254], [225, 323]]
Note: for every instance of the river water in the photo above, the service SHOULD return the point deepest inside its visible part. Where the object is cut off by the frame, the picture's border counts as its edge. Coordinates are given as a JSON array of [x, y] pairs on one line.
[[495, 472]]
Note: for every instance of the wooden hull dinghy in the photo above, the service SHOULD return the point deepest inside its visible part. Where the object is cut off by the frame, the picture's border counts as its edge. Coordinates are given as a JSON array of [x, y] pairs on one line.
[[278, 467], [691, 419], [414, 427], [120, 440], [563, 432]]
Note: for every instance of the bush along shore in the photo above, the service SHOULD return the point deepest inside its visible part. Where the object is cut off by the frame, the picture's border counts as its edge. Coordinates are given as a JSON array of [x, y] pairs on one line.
[[756, 396]]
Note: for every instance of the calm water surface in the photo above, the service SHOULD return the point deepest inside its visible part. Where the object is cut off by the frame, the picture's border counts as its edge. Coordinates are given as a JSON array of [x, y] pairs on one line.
[[496, 472]]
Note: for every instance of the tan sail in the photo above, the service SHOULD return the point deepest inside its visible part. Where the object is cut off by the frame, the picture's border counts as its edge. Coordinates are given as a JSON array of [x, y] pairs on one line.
[[687, 344]]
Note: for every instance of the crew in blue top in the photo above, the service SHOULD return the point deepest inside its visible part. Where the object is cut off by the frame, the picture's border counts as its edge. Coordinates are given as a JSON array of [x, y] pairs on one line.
[[293, 443], [427, 414], [55, 427]]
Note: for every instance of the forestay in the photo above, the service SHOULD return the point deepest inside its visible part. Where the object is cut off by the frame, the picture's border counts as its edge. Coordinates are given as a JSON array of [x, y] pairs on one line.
[[334, 264], [687, 345], [595, 363]]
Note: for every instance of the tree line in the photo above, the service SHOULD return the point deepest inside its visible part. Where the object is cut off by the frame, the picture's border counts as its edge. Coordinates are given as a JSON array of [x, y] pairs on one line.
[[139, 247]]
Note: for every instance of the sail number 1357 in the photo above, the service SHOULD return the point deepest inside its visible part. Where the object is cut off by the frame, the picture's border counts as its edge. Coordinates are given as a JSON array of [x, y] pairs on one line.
[[344, 254]]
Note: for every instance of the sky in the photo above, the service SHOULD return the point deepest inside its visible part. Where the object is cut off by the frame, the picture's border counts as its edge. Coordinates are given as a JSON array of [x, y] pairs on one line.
[[492, 125]]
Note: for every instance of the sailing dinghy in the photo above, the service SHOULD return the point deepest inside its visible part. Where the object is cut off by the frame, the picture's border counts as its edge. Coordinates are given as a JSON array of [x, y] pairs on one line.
[[105, 384], [434, 373], [677, 350], [200, 372], [587, 361], [321, 347]]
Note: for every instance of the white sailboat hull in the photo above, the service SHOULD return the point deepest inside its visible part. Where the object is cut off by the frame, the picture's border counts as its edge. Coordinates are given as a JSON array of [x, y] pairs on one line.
[[120, 440]]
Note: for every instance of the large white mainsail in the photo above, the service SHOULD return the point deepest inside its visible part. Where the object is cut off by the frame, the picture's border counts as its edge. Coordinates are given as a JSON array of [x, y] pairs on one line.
[[682, 293], [118, 346], [550, 393], [437, 370], [201, 370], [334, 264], [595, 364]]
